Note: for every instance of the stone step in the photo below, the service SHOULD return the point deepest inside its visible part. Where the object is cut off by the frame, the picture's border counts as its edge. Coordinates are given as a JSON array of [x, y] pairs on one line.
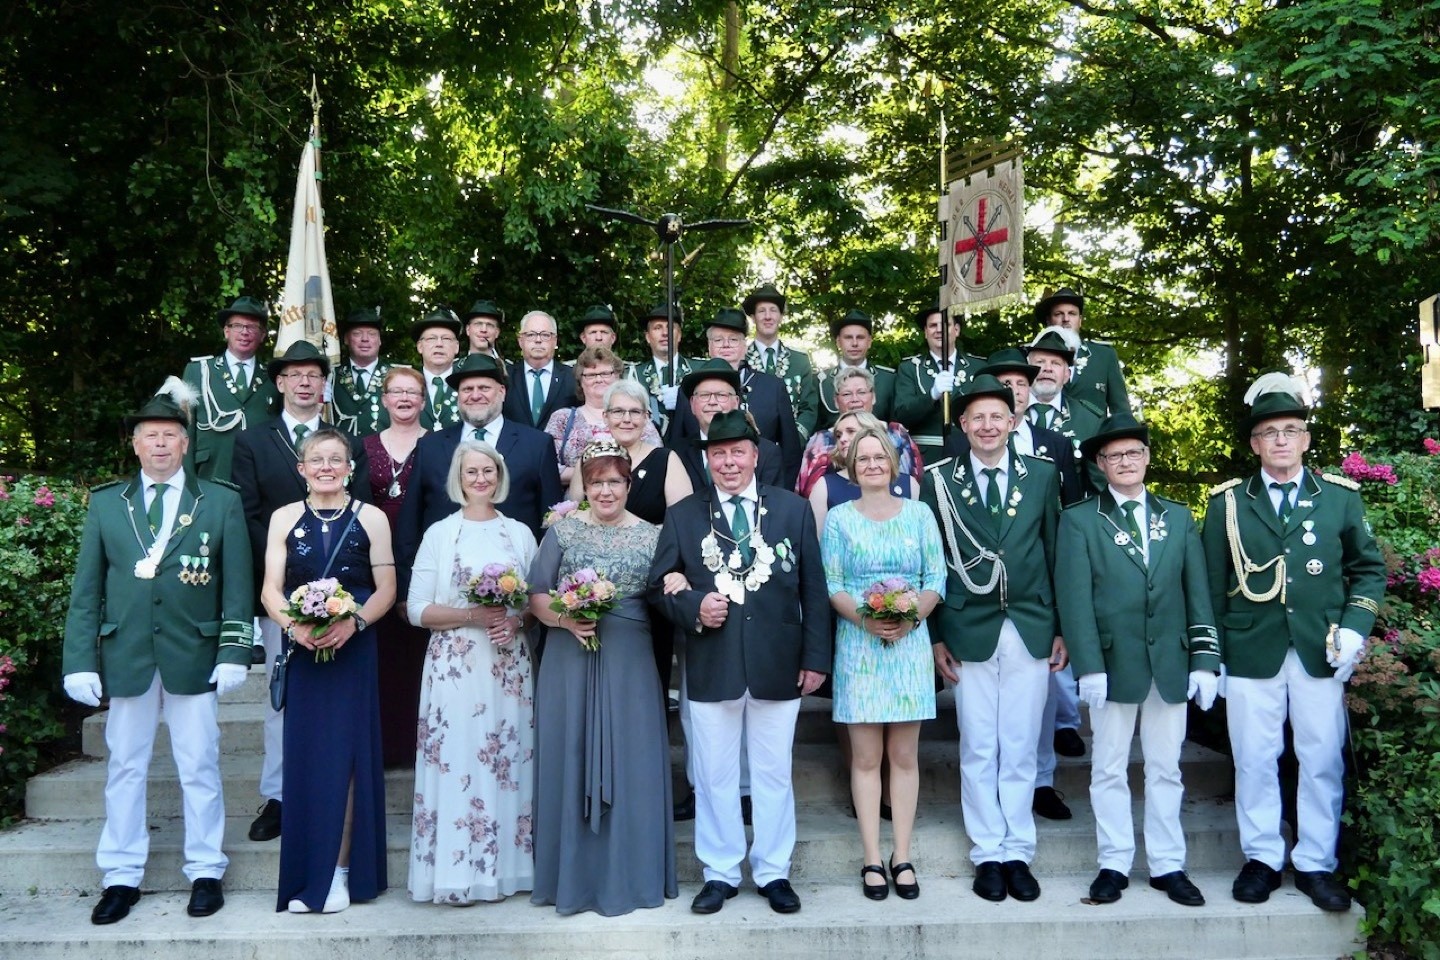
[[76, 790], [835, 921], [58, 856]]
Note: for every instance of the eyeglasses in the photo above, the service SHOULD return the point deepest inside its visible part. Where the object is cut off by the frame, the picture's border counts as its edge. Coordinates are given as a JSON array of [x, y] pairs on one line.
[[541, 335], [318, 462], [244, 327], [398, 392], [716, 396], [725, 341], [484, 323], [600, 375], [437, 338], [299, 377], [1289, 433], [624, 413], [1120, 456], [854, 394]]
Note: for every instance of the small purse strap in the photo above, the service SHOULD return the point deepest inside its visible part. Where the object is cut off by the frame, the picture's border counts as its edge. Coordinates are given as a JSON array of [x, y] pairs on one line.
[[335, 550]]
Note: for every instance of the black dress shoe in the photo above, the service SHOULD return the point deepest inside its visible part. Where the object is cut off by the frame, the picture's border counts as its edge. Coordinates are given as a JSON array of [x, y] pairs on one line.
[[1050, 804], [782, 898], [1323, 889], [712, 897], [886, 813], [1068, 742], [257, 655], [1255, 882], [1107, 885], [1019, 881], [684, 809], [745, 810], [206, 897], [989, 881], [874, 891], [905, 891], [1179, 888], [267, 825], [114, 904]]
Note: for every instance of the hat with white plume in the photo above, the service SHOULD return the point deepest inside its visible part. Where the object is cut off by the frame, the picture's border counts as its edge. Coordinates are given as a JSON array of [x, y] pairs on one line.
[[173, 401], [1275, 395]]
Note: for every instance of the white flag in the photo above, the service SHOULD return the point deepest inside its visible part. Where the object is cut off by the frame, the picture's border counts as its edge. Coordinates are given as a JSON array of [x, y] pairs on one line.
[[307, 310], [982, 256]]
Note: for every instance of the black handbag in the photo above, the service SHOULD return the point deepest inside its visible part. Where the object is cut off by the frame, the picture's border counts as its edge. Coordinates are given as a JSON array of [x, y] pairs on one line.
[[282, 659]]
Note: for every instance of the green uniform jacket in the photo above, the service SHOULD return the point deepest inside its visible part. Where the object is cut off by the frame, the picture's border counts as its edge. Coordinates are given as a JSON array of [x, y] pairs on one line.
[[359, 411], [124, 627], [1133, 621], [644, 374], [1079, 420], [884, 395], [445, 411], [1333, 574], [913, 407], [223, 411], [797, 372], [1098, 378], [1019, 559]]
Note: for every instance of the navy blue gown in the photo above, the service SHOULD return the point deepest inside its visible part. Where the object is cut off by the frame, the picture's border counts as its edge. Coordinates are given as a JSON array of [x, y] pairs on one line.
[[332, 735]]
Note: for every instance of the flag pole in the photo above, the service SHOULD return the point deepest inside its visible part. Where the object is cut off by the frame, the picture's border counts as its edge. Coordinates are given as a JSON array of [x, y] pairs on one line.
[[944, 311]]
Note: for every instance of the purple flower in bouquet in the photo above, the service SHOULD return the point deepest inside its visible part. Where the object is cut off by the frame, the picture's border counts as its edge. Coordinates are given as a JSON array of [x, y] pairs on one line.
[[498, 585], [561, 510], [585, 595], [321, 603], [890, 599]]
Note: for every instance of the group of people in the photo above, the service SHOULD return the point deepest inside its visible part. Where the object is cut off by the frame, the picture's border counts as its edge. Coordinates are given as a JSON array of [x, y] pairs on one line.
[[767, 528]]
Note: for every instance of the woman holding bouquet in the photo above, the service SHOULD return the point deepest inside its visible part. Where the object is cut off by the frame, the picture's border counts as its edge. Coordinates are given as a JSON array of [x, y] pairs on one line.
[[604, 837], [886, 572], [471, 838], [332, 847]]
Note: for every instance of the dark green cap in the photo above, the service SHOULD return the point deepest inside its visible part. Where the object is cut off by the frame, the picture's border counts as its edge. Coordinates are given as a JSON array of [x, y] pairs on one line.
[[1053, 300], [475, 365], [985, 385], [245, 307], [301, 351], [363, 317], [1009, 360], [765, 293], [439, 317], [728, 426], [1117, 426], [1051, 342], [730, 319], [852, 318], [485, 308], [712, 369], [596, 314]]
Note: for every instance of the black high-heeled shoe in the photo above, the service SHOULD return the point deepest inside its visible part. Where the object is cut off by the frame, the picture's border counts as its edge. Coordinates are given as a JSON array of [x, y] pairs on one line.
[[873, 891], [905, 891]]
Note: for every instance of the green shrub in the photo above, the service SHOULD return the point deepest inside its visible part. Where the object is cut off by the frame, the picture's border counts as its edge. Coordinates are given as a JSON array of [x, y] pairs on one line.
[[40, 523]]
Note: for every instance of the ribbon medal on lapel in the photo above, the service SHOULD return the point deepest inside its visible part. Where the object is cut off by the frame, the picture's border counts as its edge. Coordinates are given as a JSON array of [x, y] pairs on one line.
[[1158, 530], [1309, 537]]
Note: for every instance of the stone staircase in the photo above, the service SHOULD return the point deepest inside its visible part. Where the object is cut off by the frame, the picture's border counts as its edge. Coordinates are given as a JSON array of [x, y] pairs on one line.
[[49, 882]]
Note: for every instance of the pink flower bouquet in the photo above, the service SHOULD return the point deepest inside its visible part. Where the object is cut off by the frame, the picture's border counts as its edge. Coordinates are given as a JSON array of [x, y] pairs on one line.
[[498, 586], [585, 595], [890, 599], [321, 603], [561, 510]]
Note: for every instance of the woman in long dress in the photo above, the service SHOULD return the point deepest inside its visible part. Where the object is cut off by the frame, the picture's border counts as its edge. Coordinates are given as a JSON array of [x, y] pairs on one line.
[[391, 454], [884, 673], [471, 837], [604, 839], [332, 847]]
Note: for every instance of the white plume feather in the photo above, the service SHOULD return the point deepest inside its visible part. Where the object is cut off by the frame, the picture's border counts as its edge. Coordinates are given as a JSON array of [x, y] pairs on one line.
[[1277, 383], [1071, 338], [184, 395]]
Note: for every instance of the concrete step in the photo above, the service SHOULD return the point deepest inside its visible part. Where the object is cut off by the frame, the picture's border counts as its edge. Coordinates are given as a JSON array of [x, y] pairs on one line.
[[76, 790], [58, 856], [835, 921]]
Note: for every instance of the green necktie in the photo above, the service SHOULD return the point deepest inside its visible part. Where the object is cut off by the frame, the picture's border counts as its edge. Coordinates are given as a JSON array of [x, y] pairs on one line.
[[156, 513], [990, 492], [1042, 415], [740, 528], [300, 431], [241, 381], [537, 397], [359, 380], [1285, 508], [1130, 506], [480, 434], [769, 359]]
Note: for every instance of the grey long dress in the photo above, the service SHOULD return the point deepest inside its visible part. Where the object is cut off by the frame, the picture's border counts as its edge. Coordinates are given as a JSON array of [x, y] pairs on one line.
[[604, 839]]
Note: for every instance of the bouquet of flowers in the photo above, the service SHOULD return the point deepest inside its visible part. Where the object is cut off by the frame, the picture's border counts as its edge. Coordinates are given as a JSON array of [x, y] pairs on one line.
[[890, 599], [498, 586], [561, 510], [585, 595], [322, 603]]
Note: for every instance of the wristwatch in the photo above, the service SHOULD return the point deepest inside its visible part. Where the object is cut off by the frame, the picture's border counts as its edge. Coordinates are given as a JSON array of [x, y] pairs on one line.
[[360, 623]]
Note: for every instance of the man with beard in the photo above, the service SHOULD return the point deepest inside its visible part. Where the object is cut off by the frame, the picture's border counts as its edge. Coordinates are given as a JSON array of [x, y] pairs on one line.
[[355, 387], [921, 384], [234, 390], [1052, 405], [655, 374]]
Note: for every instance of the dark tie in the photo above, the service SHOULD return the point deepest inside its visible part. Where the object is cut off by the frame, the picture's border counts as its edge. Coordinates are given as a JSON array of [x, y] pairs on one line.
[[480, 434], [300, 431], [665, 375], [156, 513], [359, 380], [537, 397], [740, 528], [1284, 509], [1041, 416], [769, 359], [241, 381], [1130, 506], [990, 492]]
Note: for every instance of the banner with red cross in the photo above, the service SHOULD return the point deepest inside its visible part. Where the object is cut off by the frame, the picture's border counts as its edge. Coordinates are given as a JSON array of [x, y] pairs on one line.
[[982, 253]]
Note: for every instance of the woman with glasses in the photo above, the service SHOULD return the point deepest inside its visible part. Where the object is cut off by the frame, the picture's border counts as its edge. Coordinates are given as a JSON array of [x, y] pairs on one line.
[[854, 393], [332, 847], [595, 370], [402, 647]]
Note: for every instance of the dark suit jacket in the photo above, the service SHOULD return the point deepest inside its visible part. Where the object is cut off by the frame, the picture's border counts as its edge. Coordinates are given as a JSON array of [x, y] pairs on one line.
[[534, 486], [765, 398], [780, 629], [769, 471], [517, 395], [265, 471], [1074, 483]]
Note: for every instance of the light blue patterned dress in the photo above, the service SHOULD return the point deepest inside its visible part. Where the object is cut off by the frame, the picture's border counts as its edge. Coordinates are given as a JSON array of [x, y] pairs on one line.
[[875, 683]]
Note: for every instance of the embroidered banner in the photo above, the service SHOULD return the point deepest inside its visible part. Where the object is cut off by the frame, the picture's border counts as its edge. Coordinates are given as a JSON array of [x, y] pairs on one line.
[[982, 216], [307, 310]]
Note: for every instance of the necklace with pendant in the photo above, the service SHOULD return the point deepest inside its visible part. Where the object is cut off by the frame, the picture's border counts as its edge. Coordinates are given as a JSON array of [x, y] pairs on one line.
[[335, 514]]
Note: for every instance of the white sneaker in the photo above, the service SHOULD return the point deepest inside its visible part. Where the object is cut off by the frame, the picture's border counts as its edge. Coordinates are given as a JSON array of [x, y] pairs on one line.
[[339, 896], [298, 906]]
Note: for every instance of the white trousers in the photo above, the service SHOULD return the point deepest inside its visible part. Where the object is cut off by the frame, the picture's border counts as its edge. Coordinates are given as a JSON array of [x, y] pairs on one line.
[[272, 769], [1257, 711], [1162, 734], [195, 743], [1000, 703], [767, 727], [687, 732]]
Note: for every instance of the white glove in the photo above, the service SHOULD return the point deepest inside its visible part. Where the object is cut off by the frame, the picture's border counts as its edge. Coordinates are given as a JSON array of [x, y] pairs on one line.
[[944, 383], [1094, 688], [83, 688], [226, 677], [1224, 677], [1204, 686], [668, 397], [1349, 649]]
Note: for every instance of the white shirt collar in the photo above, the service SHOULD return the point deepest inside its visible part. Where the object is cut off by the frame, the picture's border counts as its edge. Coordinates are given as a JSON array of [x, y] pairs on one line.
[[1269, 479], [976, 464], [311, 425], [367, 368], [176, 482], [231, 360]]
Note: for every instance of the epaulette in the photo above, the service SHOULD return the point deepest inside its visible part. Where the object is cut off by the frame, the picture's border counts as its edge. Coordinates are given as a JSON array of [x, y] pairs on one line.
[[1071, 506], [1220, 488], [1340, 481], [1039, 456], [938, 463], [205, 359], [106, 485], [881, 366], [227, 484]]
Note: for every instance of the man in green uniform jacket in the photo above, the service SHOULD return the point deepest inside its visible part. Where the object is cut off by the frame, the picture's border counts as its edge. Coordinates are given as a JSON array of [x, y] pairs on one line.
[[1098, 377], [1135, 612], [920, 383], [852, 334], [767, 354], [357, 385], [234, 390], [1296, 579]]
